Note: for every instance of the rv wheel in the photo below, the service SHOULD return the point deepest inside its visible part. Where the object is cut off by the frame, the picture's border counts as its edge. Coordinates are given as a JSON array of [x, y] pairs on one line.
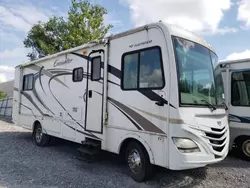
[[245, 147], [138, 163], [39, 137]]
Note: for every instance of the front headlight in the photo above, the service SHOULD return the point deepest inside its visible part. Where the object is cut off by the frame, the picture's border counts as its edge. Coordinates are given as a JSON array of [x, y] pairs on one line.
[[185, 145]]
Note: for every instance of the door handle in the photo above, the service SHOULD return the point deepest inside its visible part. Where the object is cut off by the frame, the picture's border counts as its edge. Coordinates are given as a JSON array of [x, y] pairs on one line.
[[160, 103], [84, 96], [90, 93]]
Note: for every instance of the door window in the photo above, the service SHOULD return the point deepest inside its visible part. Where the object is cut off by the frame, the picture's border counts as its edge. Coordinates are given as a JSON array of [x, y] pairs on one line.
[[96, 69]]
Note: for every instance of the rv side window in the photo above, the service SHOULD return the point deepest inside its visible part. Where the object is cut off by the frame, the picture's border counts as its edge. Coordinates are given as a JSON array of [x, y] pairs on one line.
[[240, 91], [142, 70], [96, 68], [28, 82], [77, 74]]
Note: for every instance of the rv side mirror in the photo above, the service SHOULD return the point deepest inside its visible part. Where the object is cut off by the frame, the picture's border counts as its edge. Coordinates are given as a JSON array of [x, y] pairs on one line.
[[77, 74]]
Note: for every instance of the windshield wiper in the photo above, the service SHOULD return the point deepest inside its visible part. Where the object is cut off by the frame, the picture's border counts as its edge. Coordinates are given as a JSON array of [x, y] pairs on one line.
[[209, 104], [225, 106]]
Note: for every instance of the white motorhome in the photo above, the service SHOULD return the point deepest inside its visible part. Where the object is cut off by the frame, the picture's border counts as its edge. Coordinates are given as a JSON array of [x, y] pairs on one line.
[[148, 93], [236, 78]]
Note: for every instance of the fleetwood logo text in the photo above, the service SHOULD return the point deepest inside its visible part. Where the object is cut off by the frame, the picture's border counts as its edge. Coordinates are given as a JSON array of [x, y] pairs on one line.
[[62, 62]]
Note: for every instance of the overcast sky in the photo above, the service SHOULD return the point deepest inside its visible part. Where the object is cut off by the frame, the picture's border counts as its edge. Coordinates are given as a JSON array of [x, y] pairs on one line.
[[225, 24]]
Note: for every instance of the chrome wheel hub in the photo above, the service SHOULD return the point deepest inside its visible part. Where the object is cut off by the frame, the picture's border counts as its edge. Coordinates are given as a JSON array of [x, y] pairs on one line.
[[134, 161], [246, 147], [39, 135]]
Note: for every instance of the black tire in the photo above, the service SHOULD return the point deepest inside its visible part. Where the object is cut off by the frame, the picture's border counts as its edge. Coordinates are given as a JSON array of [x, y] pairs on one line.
[[145, 169], [44, 138], [244, 146]]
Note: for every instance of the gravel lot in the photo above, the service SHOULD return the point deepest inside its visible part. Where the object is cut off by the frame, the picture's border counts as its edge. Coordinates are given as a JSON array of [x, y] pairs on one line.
[[22, 164]]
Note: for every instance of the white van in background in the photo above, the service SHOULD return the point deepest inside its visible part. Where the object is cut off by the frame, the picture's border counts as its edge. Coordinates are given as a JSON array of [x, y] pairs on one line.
[[236, 78]]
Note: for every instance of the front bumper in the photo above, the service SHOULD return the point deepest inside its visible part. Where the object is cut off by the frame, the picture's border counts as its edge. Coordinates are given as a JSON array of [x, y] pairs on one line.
[[211, 151]]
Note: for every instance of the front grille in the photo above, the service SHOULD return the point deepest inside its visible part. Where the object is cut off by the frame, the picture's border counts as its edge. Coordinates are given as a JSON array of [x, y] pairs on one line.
[[214, 135], [219, 149], [217, 138], [218, 130]]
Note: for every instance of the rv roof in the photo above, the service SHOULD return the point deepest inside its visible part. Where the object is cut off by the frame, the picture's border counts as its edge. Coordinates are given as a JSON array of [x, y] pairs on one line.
[[235, 61], [84, 46], [173, 30], [180, 32]]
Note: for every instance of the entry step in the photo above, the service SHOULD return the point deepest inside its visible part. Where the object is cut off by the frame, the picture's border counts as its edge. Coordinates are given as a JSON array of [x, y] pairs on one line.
[[93, 143], [88, 150], [88, 154]]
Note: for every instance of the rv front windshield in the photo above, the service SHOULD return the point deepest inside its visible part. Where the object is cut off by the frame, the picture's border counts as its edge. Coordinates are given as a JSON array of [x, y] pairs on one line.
[[197, 84]]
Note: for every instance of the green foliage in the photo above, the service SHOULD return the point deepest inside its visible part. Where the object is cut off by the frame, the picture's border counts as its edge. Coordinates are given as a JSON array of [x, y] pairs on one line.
[[85, 23], [2, 95]]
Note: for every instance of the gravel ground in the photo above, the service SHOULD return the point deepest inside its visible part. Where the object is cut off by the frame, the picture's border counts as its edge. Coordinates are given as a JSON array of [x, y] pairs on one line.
[[22, 164]]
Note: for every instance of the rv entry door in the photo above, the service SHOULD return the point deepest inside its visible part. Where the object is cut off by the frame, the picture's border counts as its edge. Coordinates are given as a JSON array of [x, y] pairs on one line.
[[94, 92]]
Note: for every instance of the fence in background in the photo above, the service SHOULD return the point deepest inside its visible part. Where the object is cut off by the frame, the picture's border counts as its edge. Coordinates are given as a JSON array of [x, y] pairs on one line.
[[6, 107]]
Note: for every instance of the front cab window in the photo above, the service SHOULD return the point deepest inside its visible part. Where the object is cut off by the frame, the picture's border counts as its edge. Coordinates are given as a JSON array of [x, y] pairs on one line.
[[142, 70]]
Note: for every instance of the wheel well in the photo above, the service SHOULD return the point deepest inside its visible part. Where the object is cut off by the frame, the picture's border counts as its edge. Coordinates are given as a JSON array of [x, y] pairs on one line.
[[36, 123], [241, 137], [125, 144]]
